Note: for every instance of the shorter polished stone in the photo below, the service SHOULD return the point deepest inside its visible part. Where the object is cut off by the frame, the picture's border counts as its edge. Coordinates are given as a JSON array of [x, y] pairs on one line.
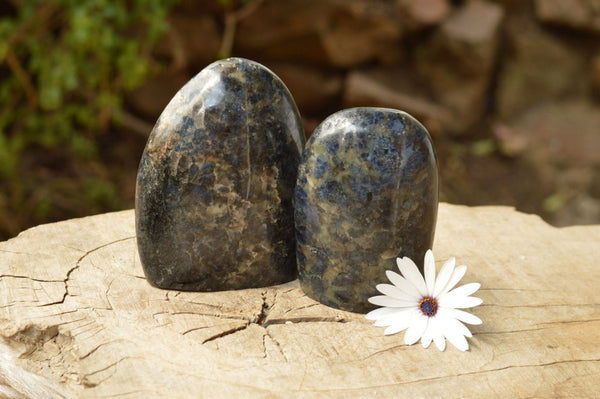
[[367, 192], [216, 180]]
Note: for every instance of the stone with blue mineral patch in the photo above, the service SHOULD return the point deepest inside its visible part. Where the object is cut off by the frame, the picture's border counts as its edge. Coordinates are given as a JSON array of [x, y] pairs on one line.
[[367, 192], [215, 183]]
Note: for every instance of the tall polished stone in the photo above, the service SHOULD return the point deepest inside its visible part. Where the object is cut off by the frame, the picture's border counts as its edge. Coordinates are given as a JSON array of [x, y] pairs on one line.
[[216, 180], [367, 192]]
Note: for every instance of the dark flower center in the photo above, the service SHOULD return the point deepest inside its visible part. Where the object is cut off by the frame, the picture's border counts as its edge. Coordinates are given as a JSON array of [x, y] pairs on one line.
[[428, 306]]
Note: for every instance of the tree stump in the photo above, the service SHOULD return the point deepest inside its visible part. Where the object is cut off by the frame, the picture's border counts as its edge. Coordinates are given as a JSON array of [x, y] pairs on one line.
[[78, 319]]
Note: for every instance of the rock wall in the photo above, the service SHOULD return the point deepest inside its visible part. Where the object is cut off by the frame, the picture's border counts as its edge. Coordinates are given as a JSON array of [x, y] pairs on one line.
[[501, 75]]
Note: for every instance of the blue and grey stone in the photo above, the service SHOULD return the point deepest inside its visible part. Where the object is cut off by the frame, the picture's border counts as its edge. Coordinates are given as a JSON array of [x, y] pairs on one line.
[[216, 180], [367, 192]]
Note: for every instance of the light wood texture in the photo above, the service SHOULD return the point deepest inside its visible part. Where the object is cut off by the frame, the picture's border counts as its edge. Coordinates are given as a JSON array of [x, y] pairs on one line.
[[75, 307]]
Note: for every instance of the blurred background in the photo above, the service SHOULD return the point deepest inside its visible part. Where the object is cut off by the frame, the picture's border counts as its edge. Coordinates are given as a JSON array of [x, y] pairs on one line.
[[509, 90]]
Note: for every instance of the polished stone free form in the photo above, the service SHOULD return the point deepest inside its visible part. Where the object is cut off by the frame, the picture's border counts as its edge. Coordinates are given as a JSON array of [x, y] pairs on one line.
[[215, 182], [367, 192]]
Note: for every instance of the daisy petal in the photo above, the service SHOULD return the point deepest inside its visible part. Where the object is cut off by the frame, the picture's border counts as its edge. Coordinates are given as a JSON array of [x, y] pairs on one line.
[[467, 331], [382, 312], [390, 321], [444, 276], [465, 290], [395, 328], [400, 325], [462, 316], [426, 340], [382, 300], [416, 329], [394, 277], [429, 271], [394, 318], [386, 321], [436, 333], [460, 302], [394, 292], [459, 341], [402, 284], [440, 341], [453, 331], [410, 271], [460, 328], [457, 274]]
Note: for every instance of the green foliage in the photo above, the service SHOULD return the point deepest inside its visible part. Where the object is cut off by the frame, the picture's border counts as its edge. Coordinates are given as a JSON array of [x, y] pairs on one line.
[[100, 192], [64, 68], [554, 202], [483, 148], [65, 65]]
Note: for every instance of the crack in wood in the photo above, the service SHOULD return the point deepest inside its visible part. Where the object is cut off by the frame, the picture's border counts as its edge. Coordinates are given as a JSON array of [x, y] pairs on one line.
[[215, 315], [100, 346], [514, 289], [30, 278], [557, 323], [568, 305], [264, 310], [78, 264], [191, 329], [401, 347], [262, 320], [113, 364], [276, 342], [106, 296], [72, 248], [134, 392], [569, 322], [225, 333], [64, 323], [82, 327], [301, 307], [450, 376], [6, 251], [314, 319], [89, 384]]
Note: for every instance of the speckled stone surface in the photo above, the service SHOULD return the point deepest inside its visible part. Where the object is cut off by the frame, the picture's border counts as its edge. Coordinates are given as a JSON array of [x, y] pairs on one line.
[[367, 192], [216, 180]]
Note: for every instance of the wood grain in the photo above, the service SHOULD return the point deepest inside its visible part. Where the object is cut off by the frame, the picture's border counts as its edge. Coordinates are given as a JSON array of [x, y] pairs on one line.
[[77, 314]]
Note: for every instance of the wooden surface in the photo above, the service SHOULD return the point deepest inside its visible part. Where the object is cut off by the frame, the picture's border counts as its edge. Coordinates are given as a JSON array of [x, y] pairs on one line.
[[76, 311]]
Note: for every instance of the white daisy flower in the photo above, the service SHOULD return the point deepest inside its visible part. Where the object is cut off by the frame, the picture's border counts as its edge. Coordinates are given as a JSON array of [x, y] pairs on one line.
[[426, 308]]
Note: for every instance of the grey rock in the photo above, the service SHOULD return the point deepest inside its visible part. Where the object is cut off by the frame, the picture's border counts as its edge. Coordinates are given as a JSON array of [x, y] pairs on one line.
[[397, 88], [314, 89], [525, 79], [341, 33], [424, 13], [459, 61], [577, 14]]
